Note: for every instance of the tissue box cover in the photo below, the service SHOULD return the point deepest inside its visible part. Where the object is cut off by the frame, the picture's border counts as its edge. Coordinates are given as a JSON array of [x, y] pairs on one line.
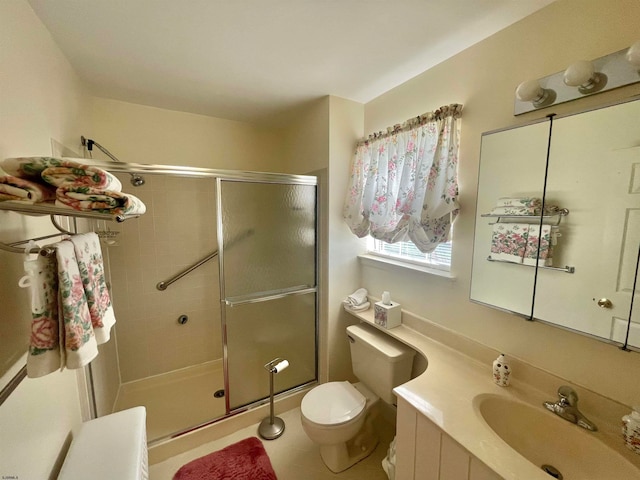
[[387, 316]]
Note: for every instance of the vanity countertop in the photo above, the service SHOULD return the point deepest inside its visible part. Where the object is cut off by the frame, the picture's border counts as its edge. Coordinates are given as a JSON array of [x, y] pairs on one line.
[[445, 391]]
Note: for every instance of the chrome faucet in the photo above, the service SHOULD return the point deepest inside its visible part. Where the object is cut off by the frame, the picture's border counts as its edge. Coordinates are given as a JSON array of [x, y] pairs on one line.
[[567, 408]]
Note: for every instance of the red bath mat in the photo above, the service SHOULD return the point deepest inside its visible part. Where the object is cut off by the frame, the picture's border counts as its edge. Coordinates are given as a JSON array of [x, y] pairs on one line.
[[245, 460]]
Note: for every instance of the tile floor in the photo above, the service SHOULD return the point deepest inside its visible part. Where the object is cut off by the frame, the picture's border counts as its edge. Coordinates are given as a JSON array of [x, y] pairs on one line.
[[293, 455]]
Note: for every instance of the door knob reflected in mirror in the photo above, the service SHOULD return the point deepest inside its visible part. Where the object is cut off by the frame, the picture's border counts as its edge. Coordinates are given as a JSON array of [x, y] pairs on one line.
[[605, 303]]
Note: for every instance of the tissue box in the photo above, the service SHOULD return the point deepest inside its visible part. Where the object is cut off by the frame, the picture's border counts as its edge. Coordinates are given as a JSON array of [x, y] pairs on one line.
[[387, 316]]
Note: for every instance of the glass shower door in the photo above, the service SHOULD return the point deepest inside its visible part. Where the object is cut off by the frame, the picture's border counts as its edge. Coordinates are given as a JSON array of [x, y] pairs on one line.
[[267, 245]]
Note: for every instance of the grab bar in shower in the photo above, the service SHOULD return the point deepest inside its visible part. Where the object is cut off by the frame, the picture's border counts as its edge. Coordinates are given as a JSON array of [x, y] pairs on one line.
[[163, 285], [178, 276]]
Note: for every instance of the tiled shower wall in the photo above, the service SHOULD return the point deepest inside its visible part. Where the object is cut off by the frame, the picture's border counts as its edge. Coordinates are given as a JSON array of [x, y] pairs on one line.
[[178, 230]]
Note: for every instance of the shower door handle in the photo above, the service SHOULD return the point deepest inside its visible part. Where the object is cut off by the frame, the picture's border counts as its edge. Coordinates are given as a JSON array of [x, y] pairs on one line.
[[271, 295]]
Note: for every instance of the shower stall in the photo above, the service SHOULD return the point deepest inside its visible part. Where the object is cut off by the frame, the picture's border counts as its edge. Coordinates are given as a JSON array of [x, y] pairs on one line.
[[217, 279]]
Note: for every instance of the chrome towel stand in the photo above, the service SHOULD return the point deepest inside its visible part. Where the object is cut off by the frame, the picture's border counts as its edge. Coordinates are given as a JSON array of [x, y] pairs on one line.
[[272, 427]]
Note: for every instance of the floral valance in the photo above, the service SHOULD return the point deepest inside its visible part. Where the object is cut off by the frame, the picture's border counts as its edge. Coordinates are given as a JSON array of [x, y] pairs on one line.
[[404, 182]]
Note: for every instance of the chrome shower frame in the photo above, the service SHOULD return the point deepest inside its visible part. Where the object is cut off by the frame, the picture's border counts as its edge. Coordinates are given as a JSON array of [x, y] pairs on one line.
[[239, 176]]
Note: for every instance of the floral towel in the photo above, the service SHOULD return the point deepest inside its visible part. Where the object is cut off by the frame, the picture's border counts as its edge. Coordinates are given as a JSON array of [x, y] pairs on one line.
[[15, 188], [514, 210], [101, 201], [44, 342], [57, 171], [89, 257], [80, 346], [531, 252], [29, 167], [517, 206], [78, 175], [509, 241]]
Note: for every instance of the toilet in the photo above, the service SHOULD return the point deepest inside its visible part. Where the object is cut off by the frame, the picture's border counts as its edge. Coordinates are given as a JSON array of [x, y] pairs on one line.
[[338, 416]]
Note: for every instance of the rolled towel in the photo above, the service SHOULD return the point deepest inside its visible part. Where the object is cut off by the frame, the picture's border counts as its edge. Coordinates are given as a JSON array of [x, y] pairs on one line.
[[15, 188], [78, 175], [356, 298], [100, 201]]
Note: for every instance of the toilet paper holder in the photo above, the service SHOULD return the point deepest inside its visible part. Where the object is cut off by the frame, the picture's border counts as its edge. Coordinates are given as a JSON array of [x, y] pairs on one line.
[[272, 427]]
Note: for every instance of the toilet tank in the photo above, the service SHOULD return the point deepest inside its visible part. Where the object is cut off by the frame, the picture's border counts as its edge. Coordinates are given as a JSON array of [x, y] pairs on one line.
[[379, 361]]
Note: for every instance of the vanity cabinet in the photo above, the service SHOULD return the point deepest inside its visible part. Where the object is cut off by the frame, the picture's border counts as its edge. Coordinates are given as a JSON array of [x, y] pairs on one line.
[[424, 452]]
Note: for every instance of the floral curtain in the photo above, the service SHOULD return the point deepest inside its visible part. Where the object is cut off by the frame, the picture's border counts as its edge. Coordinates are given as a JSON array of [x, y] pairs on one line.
[[404, 183]]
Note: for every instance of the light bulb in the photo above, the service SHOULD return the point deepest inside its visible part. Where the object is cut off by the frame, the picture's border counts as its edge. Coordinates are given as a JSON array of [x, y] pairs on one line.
[[530, 91], [633, 54], [580, 74]]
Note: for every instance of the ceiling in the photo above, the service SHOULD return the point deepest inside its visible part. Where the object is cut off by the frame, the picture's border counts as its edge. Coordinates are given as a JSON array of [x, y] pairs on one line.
[[256, 60]]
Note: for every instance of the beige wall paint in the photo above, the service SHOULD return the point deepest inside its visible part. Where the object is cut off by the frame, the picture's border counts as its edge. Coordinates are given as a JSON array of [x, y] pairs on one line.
[[345, 128], [320, 142], [141, 134], [307, 152], [40, 99], [484, 78]]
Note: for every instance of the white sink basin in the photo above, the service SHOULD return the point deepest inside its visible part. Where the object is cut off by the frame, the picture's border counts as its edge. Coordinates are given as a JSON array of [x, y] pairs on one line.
[[547, 440]]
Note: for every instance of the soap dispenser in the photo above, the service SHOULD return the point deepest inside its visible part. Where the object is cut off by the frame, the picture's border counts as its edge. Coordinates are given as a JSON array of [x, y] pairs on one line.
[[501, 371], [631, 429]]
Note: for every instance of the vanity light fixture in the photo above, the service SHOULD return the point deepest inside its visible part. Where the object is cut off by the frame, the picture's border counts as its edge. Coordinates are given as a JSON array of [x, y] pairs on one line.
[[531, 91], [633, 55], [583, 75], [580, 79]]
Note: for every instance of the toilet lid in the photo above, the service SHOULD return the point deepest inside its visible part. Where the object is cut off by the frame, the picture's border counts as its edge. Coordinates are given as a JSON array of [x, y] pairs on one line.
[[332, 403]]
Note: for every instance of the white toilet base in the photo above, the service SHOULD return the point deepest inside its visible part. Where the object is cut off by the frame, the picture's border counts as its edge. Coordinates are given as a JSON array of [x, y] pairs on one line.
[[341, 456]]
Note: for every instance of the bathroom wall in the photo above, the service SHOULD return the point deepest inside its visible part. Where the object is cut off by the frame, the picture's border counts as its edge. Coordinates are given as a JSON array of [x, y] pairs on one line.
[[141, 134], [41, 99], [320, 141], [484, 78], [177, 231]]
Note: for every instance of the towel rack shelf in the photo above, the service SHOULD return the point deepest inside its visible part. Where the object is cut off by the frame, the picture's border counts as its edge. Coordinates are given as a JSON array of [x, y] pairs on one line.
[[51, 210], [566, 269], [45, 208], [555, 216]]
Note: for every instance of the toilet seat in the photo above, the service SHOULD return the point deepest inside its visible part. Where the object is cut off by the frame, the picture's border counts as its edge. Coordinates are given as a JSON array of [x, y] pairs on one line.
[[333, 404]]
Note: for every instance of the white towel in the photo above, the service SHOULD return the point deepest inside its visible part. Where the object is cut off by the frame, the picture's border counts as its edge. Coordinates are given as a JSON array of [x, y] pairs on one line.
[[356, 298], [358, 308]]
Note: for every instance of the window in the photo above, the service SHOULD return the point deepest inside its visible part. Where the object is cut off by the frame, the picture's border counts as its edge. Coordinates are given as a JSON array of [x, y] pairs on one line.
[[439, 259]]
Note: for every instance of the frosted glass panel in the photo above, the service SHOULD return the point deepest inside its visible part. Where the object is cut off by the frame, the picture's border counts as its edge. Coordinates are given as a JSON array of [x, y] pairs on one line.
[[268, 253], [269, 237], [259, 332]]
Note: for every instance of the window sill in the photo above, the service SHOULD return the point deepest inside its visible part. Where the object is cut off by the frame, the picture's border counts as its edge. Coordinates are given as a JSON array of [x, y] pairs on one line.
[[378, 261]]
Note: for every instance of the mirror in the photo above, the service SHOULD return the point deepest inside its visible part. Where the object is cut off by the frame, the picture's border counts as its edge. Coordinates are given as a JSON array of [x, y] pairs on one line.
[[593, 171], [510, 167]]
